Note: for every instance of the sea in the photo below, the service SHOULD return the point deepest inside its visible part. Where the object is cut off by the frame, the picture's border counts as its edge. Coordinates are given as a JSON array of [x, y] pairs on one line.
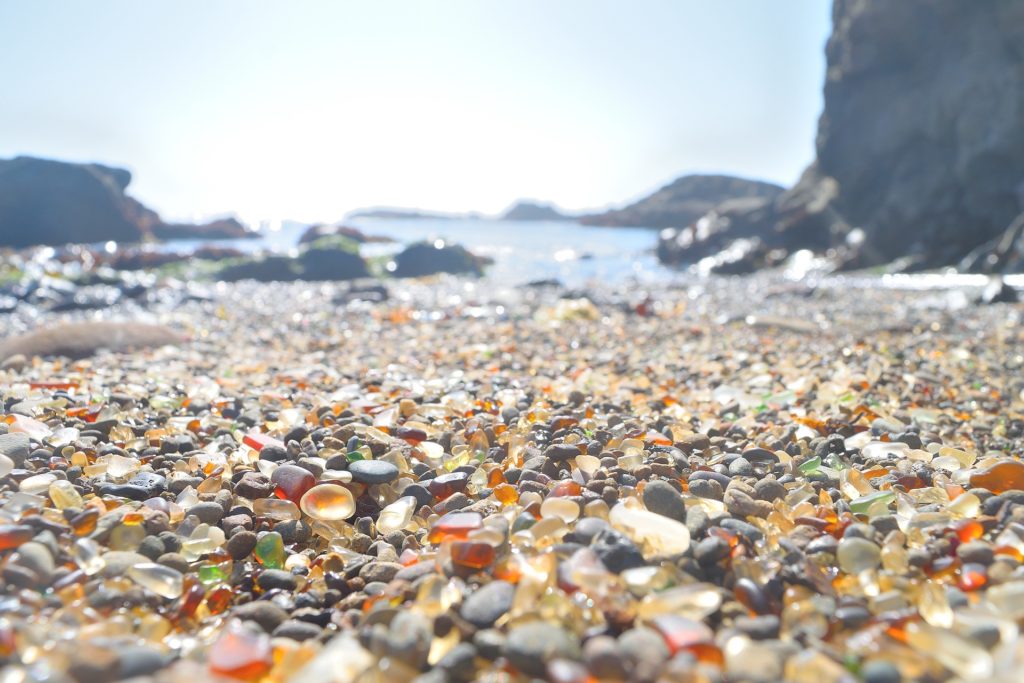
[[523, 251], [575, 255]]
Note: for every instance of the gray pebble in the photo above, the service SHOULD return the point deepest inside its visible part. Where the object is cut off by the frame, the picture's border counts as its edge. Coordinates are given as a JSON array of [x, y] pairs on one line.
[[770, 489], [976, 551], [487, 604], [265, 613], [706, 488], [531, 646], [660, 497], [15, 446], [208, 513], [409, 638], [297, 630], [373, 471], [646, 652], [241, 544], [379, 571]]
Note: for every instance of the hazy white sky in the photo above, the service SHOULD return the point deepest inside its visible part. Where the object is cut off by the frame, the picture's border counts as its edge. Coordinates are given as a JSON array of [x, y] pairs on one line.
[[308, 109]]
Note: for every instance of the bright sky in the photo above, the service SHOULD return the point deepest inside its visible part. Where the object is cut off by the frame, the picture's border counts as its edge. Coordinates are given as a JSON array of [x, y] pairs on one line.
[[308, 109]]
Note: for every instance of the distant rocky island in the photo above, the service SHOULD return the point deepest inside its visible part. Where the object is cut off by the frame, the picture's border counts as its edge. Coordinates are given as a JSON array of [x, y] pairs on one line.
[[408, 214], [522, 210], [529, 210]]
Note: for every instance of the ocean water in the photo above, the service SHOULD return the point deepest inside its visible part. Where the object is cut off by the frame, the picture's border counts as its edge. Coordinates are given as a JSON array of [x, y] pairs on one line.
[[523, 251], [575, 255]]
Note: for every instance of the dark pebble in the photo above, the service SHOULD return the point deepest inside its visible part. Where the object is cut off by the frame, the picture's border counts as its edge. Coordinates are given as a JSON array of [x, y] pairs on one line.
[[263, 612], [208, 513], [616, 551], [711, 550], [660, 497], [254, 485], [270, 579], [529, 647], [560, 452], [241, 544], [485, 605], [373, 471], [297, 630]]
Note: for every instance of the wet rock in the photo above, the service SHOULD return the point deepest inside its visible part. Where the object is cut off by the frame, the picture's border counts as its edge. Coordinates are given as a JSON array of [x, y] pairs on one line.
[[426, 258]]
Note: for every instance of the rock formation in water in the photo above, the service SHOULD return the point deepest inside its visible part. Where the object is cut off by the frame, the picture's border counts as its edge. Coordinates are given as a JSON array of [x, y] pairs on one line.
[[920, 148], [220, 229], [527, 210], [683, 201], [43, 201], [52, 202]]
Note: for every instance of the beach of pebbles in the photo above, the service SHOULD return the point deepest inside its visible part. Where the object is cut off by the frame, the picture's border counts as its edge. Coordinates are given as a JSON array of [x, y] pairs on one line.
[[698, 482]]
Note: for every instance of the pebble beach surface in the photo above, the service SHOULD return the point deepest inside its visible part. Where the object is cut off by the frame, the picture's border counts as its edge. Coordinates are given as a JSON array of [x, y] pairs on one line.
[[447, 480]]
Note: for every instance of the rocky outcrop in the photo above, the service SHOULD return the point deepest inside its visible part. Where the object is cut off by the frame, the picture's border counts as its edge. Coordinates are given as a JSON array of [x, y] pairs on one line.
[[525, 210], [683, 201], [144, 258], [52, 202], [922, 132], [318, 232], [221, 229], [44, 201], [920, 148], [1002, 254], [331, 263], [429, 258], [322, 260], [270, 268]]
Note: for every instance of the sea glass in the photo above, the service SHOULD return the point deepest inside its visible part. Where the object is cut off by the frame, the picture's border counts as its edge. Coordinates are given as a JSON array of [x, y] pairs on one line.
[[1003, 476], [269, 550], [328, 502], [563, 508], [658, 534], [241, 653], [397, 515], [64, 495], [157, 578], [291, 482], [454, 525]]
